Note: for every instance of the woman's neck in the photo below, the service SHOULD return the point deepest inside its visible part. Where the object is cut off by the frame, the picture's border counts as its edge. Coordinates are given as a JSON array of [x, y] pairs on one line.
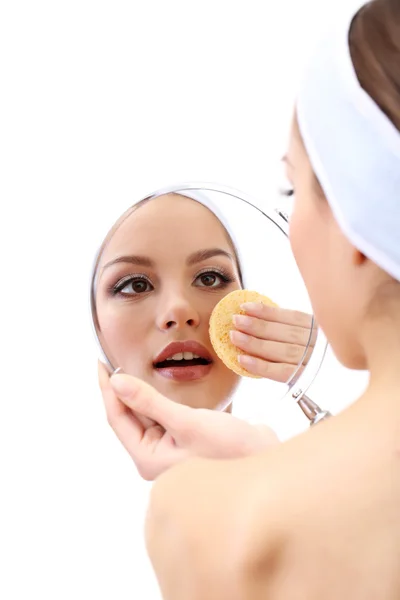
[[381, 341]]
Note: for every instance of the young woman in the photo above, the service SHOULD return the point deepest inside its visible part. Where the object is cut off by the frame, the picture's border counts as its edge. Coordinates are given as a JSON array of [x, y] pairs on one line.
[[318, 516]]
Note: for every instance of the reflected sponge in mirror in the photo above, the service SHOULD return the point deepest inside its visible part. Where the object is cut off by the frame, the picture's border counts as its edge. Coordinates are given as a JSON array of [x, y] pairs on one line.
[[221, 323]]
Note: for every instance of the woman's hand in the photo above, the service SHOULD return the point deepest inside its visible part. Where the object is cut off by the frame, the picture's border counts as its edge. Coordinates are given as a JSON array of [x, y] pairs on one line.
[[274, 340], [159, 433]]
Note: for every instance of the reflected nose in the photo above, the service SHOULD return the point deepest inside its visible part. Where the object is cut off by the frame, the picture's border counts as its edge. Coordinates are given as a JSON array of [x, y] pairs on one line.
[[176, 312]]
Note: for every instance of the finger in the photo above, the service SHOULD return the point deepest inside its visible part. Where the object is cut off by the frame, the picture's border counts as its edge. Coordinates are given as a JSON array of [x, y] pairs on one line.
[[307, 355], [151, 448], [143, 420], [280, 372], [147, 423], [145, 400], [274, 332], [277, 315], [292, 354], [126, 426], [268, 436]]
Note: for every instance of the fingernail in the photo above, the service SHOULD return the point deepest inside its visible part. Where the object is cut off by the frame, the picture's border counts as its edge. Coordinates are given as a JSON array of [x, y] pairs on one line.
[[121, 385], [118, 371], [241, 320], [246, 361], [237, 337], [250, 305]]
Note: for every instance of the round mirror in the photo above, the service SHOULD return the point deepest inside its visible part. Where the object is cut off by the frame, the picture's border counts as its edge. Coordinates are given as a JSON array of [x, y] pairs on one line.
[[162, 269]]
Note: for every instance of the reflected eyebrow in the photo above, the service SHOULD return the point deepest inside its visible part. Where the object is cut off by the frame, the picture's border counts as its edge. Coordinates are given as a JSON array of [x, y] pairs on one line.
[[201, 255], [142, 261]]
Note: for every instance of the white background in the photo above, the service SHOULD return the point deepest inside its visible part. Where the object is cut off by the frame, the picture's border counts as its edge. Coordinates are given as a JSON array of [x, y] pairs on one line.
[[102, 102]]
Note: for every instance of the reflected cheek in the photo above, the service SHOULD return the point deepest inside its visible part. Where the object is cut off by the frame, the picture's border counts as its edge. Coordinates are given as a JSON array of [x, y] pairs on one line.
[[123, 335], [227, 379]]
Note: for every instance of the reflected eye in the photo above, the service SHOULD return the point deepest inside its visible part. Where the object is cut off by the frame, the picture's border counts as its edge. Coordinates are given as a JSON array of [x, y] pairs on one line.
[[213, 279], [209, 279], [132, 286]]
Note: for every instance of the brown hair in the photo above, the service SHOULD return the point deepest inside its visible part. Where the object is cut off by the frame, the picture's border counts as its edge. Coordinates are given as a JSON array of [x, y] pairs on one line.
[[374, 41]]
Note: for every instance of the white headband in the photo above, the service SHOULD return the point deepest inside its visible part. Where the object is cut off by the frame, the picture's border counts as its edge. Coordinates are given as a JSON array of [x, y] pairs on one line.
[[354, 149]]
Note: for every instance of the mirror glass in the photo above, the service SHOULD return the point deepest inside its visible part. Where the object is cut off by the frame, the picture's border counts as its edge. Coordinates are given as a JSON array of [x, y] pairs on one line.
[[164, 266]]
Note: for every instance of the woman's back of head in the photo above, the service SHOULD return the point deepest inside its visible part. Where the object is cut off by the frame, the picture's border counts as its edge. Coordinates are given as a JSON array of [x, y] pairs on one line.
[[375, 50], [345, 148]]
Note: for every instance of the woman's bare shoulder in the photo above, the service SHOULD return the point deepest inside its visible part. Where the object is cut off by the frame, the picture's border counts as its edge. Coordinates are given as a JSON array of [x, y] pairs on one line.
[[325, 507]]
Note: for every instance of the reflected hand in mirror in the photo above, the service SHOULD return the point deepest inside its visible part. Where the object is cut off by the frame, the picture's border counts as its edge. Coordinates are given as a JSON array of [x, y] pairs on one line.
[[158, 433], [274, 340], [160, 272]]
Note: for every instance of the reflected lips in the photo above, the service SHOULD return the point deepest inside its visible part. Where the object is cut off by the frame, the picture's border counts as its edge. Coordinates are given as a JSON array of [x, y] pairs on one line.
[[183, 361]]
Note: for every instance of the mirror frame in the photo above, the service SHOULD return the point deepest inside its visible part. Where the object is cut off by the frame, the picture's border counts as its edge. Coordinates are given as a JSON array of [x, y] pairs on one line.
[[298, 384]]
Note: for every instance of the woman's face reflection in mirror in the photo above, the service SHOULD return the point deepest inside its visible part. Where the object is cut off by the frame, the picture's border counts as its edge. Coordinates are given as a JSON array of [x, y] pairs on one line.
[[164, 267]]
